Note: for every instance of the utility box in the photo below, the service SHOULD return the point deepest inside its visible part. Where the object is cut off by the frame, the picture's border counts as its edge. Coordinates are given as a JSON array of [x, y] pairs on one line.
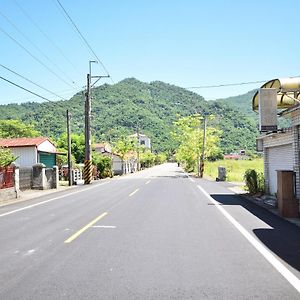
[[288, 205], [267, 108], [221, 174]]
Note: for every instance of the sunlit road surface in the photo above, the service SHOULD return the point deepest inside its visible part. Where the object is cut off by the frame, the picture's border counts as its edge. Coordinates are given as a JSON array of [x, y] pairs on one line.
[[156, 234]]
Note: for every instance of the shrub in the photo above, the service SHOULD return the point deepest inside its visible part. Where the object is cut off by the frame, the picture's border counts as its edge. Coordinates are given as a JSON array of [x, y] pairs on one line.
[[255, 182], [103, 164], [6, 157]]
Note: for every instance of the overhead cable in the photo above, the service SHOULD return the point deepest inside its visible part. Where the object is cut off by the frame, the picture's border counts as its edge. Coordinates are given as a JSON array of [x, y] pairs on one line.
[[35, 58], [231, 84], [224, 85], [36, 47], [33, 93], [83, 38], [46, 36], [8, 69]]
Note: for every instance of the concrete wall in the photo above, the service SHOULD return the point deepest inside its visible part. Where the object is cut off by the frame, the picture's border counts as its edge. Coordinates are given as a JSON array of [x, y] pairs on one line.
[[38, 177], [25, 178], [46, 146]]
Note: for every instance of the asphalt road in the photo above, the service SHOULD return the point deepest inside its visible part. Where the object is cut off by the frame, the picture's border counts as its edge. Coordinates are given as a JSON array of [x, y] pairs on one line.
[[156, 234]]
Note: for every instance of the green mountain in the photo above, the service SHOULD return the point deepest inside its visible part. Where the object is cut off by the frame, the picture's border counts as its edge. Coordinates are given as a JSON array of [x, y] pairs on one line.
[[243, 103], [120, 108]]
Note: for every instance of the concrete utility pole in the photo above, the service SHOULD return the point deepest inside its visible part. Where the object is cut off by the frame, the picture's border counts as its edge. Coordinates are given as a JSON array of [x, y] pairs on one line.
[[69, 149], [88, 168], [198, 154], [138, 148], [203, 147]]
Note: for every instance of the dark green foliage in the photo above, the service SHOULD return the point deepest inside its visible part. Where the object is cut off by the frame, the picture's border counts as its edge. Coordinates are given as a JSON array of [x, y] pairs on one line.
[[16, 129], [103, 164], [254, 181], [77, 146], [117, 110]]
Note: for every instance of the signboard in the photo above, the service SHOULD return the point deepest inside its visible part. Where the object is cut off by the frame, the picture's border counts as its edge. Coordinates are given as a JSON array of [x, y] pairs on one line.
[[267, 107]]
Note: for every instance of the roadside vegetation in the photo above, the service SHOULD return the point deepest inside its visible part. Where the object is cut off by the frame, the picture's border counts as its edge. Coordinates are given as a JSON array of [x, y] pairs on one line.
[[236, 169]]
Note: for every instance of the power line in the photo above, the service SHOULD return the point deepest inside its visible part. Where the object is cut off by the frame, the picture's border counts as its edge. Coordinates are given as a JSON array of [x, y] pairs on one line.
[[34, 57], [33, 93], [36, 47], [83, 38], [224, 85], [8, 69], [46, 36], [231, 84]]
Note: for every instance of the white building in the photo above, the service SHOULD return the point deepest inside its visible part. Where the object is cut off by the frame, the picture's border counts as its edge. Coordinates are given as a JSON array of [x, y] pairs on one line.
[[30, 151], [142, 139], [281, 148]]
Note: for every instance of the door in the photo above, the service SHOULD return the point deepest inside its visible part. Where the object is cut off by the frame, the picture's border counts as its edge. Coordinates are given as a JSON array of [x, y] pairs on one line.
[[280, 158], [48, 159]]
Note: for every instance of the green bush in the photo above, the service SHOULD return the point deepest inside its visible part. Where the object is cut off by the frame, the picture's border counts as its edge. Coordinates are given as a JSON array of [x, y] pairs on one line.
[[255, 182], [103, 164], [6, 157]]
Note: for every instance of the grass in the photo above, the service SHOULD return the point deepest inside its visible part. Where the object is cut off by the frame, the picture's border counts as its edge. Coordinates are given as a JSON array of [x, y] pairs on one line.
[[235, 168]]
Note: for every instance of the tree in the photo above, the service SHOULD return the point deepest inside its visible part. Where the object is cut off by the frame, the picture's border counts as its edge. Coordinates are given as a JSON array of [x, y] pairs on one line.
[[122, 147], [188, 132], [77, 146], [16, 129], [6, 157], [147, 159], [103, 164]]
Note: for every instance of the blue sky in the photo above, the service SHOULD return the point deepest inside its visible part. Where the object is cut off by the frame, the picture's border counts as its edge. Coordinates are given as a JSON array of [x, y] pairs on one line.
[[186, 43]]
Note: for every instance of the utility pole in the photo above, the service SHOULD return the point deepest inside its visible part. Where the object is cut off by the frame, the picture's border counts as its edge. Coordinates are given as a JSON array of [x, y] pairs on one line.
[[203, 147], [138, 148], [198, 154], [88, 168], [69, 148]]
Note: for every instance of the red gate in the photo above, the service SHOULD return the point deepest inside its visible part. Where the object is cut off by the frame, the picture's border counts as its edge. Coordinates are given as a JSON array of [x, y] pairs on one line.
[[6, 177]]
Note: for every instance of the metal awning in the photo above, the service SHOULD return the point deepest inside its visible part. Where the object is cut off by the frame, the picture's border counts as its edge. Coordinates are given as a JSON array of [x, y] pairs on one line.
[[288, 92]]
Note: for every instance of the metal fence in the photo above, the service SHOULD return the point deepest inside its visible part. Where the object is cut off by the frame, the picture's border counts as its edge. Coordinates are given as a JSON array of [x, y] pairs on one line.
[[6, 177]]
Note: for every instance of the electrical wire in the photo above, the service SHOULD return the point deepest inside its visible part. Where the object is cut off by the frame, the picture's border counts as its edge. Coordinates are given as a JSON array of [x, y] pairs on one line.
[[29, 91], [224, 85], [83, 38], [23, 77], [231, 84], [34, 57], [37, 48], [46, 36]]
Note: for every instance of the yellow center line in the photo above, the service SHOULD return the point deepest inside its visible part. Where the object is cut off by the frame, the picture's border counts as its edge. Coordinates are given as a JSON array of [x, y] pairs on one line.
[[79, 232], [133, 192], [148, 182]]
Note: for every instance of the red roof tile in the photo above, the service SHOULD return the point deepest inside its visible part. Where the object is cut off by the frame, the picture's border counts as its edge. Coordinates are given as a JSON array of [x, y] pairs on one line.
[[23, 142]]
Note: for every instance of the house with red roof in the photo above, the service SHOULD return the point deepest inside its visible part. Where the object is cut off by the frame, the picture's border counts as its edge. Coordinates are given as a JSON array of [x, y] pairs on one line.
[[30, 151]]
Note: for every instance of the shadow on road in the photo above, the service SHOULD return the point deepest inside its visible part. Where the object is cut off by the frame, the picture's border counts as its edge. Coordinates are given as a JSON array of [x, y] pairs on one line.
[[283, 239]]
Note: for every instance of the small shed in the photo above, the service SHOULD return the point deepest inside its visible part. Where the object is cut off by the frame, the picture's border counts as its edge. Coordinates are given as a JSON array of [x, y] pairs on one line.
[[30, 151]]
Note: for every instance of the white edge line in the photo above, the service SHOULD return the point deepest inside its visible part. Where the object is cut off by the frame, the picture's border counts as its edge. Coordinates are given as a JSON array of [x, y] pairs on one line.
[[133, 192], [50, 200], [287, 274], [191, 179], [148, 182]]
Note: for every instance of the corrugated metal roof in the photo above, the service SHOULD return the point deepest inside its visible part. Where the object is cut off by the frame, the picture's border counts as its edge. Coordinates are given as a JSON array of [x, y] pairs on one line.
[[23, 142]]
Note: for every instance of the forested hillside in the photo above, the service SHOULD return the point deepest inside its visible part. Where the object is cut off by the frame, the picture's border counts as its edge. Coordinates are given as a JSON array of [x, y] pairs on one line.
[[241, 102], [153, 107]]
